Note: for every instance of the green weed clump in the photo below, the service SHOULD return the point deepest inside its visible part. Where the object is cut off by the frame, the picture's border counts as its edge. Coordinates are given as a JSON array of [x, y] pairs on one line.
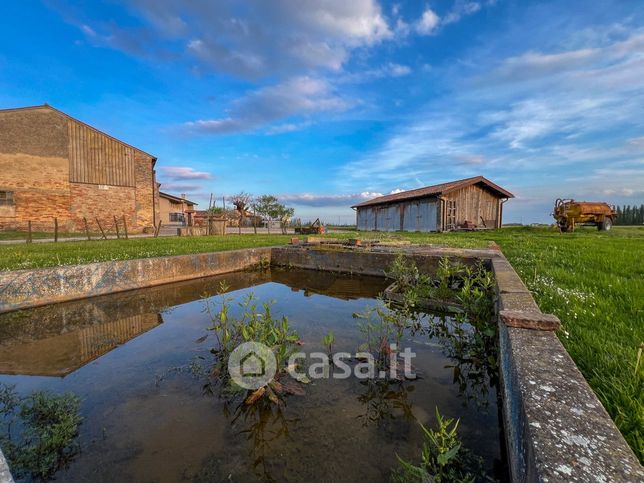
[[38, 432], [255, 324], [443, 458]]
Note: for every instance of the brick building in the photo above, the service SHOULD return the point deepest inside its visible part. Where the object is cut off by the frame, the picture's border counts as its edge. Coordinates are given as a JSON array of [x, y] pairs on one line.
[[175, 210], [55, 166]]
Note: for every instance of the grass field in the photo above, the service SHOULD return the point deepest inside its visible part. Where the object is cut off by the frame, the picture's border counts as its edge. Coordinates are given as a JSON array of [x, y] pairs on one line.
[[594, 282]]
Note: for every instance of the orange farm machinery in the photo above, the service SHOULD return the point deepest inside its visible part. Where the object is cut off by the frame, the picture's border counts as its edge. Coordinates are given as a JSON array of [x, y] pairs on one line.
[[570, 213]]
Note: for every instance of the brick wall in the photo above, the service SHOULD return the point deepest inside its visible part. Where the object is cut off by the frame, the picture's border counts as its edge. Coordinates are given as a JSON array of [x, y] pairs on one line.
[[102, 202], [146, 191], [34, 164]]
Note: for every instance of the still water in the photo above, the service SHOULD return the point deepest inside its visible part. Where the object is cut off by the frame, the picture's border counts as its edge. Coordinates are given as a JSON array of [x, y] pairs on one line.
[[146, 416]]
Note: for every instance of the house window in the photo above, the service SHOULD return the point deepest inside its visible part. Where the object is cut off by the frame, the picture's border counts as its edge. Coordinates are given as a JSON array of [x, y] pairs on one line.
[[176, 217], [6, 198]]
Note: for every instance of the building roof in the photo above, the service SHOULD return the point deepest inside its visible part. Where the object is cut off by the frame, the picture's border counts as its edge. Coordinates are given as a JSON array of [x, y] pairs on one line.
[[176, 198], [58, 111], [437, 190]]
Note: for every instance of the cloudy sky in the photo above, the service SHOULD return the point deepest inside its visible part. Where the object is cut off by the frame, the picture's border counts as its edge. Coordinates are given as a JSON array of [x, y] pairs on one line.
[[326, 103]]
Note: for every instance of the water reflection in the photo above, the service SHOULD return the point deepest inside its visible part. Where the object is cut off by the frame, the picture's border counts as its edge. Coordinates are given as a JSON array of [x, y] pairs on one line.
[[135, 429]]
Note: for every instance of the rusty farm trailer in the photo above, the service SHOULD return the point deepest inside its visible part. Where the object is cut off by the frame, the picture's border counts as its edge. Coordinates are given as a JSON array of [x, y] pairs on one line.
[[472, 202], [569, 213]]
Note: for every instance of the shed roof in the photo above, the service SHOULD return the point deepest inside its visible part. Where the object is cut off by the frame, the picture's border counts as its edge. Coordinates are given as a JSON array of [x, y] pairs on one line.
[[176, 198], [437, 190], [58, 111]]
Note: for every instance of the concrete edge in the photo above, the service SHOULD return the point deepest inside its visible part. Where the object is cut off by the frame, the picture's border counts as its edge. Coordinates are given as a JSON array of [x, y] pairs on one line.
[[24, 289], [555, 427]]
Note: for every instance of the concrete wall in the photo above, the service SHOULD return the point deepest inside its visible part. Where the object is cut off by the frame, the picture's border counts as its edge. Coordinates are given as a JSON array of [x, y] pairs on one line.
[[35, 165], [555, 427], [32, 288]]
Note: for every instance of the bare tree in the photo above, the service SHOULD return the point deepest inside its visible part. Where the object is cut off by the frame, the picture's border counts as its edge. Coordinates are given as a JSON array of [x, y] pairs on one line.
[[241, 202]]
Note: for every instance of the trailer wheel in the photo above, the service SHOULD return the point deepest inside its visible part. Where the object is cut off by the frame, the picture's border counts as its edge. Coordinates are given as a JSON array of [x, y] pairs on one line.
[[605, 225]]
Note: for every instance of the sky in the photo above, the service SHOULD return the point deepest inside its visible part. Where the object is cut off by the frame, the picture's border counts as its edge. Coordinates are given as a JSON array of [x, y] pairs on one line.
[[331, 102]]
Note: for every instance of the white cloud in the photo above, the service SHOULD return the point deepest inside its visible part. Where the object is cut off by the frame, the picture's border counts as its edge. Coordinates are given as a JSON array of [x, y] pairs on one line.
[[252, 39], [182, 173], [390, 69], [428, 22], [317, 200], [298, 96], [544, 128], [182, 188], [460, 10]]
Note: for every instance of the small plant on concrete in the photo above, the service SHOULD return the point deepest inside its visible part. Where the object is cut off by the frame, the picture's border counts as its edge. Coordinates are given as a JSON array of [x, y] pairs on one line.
[[38, 432], [442, 459]]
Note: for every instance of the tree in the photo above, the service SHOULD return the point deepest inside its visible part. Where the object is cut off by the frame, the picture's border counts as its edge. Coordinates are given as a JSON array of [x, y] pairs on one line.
[[241, 201], [283, 214], [265, 206], [269, 207]]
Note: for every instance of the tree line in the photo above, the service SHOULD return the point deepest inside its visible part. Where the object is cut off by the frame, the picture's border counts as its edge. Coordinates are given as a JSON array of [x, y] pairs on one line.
[[630, 215], [266, 207]]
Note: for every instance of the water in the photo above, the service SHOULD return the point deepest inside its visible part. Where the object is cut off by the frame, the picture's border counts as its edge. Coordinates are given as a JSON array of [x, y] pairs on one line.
[[146, 417]]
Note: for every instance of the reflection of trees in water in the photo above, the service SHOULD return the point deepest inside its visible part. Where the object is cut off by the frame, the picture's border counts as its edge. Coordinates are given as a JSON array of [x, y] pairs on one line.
[[387, 404], [473, 353], [266, 427]]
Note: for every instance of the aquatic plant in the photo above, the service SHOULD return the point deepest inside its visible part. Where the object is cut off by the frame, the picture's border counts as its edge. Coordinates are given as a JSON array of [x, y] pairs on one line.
[[38, 432], [328, 340], [254, 324], [443, 457], [383, 328]]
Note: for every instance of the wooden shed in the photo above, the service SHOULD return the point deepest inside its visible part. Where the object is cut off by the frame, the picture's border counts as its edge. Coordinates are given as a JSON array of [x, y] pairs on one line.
[[442, 207]]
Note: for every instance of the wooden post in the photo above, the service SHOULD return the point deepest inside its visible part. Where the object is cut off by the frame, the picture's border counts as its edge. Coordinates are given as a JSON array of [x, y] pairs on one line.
[[55, 229], [156, 233], [29, 239], [125, 227], [101, 228], [255, 221], [86, 229], [116, 226]]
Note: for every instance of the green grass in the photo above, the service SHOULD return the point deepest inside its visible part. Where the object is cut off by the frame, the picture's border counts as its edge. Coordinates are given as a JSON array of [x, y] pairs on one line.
[[594, 282], [38, 255], [22, 235]]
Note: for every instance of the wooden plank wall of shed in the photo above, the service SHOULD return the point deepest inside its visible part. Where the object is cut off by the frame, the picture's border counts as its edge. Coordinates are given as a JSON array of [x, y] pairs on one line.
[[98, 159], [474, 203]]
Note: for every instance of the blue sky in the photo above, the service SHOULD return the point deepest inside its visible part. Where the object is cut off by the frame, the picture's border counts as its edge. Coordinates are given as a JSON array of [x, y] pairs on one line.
[[327, 103]]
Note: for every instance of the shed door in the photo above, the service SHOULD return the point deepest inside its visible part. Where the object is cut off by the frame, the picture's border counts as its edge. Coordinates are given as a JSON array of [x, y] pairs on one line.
[[427, 216], [410, 222]]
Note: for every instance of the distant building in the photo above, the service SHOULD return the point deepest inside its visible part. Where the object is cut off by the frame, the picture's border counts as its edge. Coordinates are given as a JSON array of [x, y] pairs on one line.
[[55, 166], [439, 207], [174, 210]]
